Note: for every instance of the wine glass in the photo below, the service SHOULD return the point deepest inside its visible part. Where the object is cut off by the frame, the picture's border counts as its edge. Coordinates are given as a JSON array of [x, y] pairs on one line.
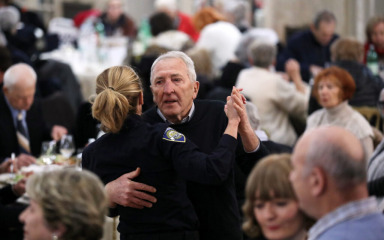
[[48, 151], [67, 147]]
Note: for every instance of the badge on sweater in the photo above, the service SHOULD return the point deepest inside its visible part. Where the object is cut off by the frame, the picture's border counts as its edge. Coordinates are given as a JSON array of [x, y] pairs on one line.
[[172, 135]]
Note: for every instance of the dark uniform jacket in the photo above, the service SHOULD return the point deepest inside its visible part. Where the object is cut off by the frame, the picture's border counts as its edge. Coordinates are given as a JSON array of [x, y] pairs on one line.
[[166, 158]]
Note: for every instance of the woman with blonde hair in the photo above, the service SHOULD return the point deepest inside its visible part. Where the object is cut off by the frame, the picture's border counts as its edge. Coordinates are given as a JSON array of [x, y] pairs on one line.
[[66, 205], [271, 209], [165, 157]]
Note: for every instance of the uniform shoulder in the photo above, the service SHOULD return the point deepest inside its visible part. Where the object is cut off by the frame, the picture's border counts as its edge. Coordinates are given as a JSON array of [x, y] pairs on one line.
[[151, 115]]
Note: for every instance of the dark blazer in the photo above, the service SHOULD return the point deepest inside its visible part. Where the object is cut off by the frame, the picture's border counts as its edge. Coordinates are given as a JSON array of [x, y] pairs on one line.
[[304, 47], [38, 132]]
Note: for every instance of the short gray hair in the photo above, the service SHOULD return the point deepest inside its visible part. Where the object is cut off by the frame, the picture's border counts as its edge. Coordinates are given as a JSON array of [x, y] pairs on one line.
[[9, 18], [262, 53], [179, 55], [347, 170], [260, 34], [238, 10], [12, 75], [323, 16]]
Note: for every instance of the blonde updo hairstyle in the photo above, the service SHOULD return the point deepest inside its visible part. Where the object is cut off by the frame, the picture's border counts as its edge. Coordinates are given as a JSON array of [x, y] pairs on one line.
[[73, 199], [118, 90]]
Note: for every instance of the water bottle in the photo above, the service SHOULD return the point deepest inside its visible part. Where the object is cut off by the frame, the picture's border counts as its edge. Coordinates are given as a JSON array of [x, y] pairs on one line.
[[102, 51], [373, 60]]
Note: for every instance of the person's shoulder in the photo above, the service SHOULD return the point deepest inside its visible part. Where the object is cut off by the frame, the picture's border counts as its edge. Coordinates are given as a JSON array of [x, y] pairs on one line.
[[299, 36], [151, 115], [356, 228], [169, 134], [359, 118], [209, 104], [315, 115]]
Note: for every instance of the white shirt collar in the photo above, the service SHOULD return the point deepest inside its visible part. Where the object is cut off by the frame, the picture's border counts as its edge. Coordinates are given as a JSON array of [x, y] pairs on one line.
[[184, 120]]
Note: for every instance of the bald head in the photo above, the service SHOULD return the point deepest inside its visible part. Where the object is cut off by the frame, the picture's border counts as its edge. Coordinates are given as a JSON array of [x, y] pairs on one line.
[[19, 86], [337, 151]]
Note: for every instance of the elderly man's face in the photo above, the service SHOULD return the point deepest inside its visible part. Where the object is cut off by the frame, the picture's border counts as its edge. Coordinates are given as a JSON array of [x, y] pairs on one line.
[[324, 32], [173, 91], [20, 97]]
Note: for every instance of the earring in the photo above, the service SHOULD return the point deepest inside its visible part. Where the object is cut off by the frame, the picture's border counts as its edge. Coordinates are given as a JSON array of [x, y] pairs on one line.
[[54, 237]]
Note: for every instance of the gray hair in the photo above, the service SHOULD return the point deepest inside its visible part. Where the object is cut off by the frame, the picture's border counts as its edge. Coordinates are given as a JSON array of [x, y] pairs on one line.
[[323, 16], [9, 18], [333, 157], [260, 34], [13, 74], [72, 198], [239, 11], [179, 55], [262, 54]]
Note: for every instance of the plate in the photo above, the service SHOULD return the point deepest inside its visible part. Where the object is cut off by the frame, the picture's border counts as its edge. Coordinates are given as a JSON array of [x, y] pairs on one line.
[[6, 178]]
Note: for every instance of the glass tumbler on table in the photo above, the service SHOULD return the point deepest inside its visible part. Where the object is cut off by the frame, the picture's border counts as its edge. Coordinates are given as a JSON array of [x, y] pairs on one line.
[[67, 147], [48, 152]]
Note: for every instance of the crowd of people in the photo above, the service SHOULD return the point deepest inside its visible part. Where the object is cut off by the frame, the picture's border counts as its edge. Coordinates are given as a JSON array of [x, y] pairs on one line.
[[217, 130]]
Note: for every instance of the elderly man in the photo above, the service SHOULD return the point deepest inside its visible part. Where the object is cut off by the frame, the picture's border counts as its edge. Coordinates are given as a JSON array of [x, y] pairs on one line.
[[21, 125], [174, 86], [329, 178], [311, 48], [275, 98]]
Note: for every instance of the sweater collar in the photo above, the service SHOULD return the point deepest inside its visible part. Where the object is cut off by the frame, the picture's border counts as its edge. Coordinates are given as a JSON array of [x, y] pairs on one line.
[[337, 109]]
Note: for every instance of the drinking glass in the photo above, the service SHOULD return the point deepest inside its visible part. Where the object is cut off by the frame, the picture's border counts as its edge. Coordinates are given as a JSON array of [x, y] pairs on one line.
[[48, 152], [67, 147]]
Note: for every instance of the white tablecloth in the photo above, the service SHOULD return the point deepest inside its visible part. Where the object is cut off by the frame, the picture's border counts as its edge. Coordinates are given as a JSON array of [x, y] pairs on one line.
[[90, 62]]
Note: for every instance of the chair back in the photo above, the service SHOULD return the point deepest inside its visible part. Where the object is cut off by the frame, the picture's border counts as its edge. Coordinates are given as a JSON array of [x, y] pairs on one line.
[[372, 115]]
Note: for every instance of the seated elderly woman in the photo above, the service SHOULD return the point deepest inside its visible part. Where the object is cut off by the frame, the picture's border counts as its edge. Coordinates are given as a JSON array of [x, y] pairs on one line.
[[65, 204], [271, 209], [333, 87]]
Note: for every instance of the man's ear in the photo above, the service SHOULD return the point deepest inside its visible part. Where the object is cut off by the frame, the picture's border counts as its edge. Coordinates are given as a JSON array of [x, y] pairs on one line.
[[5, 90], [312, 27], [317, 181], [196, 86]]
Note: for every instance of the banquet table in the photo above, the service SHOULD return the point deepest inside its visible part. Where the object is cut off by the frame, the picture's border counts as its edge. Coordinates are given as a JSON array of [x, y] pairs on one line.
[[110, 226], [87, 62]]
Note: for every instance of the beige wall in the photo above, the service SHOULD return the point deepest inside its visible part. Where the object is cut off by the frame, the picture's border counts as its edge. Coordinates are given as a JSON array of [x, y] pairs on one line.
[[351, 15]]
